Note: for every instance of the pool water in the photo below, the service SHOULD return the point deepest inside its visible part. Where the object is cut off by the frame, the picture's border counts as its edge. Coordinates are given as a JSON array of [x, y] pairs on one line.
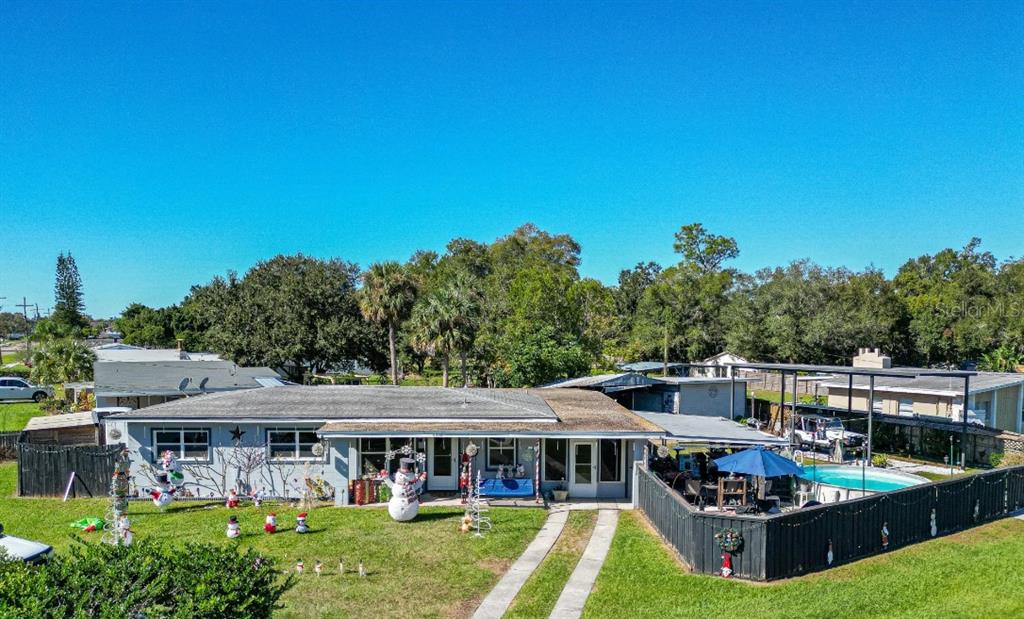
[[874, 480]]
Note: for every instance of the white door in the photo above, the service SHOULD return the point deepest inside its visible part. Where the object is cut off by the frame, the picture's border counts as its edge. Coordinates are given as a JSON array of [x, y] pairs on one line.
[[583, 470], [443, 470]]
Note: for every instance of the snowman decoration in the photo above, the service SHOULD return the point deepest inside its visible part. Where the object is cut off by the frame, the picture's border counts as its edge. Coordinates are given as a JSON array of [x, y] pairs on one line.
[[933, 529], [168, 480], [405, 502], [234, 530]]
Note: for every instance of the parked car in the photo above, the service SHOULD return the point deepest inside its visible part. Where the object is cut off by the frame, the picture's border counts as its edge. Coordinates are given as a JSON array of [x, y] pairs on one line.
[[819, 432], [14, 388], [23, 549]]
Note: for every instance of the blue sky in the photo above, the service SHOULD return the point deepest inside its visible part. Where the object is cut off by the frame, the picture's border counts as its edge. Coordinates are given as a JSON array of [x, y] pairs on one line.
[[164, 143]]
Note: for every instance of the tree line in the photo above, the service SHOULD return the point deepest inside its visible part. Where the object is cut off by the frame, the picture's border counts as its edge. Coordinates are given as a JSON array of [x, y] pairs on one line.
[[516, 312]]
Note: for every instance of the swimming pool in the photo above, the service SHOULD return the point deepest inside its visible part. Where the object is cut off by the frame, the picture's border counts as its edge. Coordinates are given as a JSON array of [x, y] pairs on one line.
[[836, 482]]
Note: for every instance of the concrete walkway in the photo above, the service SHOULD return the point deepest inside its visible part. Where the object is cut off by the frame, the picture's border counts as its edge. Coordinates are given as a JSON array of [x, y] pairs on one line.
[[499, 599], [577, 590]]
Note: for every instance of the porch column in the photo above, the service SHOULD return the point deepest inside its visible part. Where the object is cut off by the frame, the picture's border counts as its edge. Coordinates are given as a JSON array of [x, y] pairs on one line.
[[963, 429], [1019, 413], [732, 394]]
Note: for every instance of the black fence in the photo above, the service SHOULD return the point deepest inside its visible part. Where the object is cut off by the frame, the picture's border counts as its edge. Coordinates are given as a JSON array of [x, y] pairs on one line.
[[46, 471], [799, 542]]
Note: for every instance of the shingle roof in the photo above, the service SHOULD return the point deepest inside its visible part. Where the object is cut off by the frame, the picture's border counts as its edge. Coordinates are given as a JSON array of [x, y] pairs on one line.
[[355, 402], [124, 378], [942, 385]]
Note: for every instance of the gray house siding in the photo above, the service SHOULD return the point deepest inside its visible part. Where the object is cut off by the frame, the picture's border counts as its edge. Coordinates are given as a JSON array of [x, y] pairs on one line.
[[221, 471]]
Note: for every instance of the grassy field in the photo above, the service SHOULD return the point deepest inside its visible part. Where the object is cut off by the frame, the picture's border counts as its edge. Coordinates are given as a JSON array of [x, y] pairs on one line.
[[971, 574], [538, 596], [14, 415], [424, 568]]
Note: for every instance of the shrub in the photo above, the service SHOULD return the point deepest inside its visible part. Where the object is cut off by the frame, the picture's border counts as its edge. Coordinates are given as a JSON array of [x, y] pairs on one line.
[[995, 458], [880, 460], [1012, 458], [150, 578]]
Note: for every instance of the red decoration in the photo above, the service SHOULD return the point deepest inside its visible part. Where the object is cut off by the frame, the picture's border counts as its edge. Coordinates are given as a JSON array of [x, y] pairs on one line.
[[726, 565]]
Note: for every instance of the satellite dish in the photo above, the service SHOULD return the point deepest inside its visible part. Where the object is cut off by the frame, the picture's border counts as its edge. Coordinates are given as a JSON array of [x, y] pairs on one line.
[[184, 384], [202, 384]]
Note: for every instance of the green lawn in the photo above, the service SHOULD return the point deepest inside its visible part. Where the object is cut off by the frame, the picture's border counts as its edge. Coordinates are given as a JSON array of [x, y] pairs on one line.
[[540, 592], [972, 574], [14, 415], [424, 568]]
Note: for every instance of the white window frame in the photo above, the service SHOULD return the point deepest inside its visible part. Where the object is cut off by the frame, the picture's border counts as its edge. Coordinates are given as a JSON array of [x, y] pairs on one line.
[[295, 457], [179, 449], [905, 408], [515, 451]]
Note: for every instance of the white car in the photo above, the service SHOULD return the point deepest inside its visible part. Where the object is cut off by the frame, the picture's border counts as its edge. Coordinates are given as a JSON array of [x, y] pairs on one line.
[[14, 388], [23, 549], [818, 432]]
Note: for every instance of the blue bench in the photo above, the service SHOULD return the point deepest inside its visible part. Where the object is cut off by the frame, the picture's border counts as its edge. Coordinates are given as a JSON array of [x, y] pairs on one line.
[[507, 488]]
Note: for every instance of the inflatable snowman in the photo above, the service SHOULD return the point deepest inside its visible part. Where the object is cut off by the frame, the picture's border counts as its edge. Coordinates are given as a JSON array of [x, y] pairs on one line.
[[404, 503], [161, 498]]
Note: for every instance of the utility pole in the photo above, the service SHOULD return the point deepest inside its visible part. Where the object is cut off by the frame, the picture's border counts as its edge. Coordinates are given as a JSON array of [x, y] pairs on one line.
[[24, 307]]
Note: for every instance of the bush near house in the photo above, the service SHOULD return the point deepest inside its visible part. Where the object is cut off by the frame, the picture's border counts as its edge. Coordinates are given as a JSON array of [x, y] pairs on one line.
[[150, 578]]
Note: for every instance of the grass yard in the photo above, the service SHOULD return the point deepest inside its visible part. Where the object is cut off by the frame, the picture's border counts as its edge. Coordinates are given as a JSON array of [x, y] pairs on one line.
[[972, 574], [424, 568], [14, 415], [540, 592]]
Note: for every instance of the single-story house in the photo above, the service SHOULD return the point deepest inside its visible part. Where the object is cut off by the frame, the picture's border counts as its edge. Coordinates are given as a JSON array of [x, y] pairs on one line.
[[996, 399], [682, 395], [585, 442], [120, 351], [139, 384]]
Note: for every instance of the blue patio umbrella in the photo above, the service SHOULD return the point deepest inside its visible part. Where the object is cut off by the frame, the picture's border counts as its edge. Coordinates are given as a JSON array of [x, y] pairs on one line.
[[759, 462]]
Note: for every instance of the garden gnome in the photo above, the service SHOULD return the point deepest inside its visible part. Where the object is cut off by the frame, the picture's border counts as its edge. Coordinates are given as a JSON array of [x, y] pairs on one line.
[[726, 565], [300, 523], [232, 501], [404, 503], [270, 526], [300, 566], [233, 529]]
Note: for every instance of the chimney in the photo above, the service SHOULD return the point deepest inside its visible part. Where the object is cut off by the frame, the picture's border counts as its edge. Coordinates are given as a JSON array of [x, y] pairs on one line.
[[181, 349], [871, 358]]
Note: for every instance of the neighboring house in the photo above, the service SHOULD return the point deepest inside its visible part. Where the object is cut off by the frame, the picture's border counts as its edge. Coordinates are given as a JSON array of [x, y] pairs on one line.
[[996, 399], [667, 394], [145, 383], [588, 443], [651, 367], [718, 365], [126, 352]]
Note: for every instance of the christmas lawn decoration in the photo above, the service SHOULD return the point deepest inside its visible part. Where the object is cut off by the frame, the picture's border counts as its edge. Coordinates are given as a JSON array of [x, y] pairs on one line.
[[726, 565], [300, 566], [168, 480], [404, 503], [829, 556], [300, 523], [117, 528], [88, 524], [318, 568], [933, 528], [232, 501], [729, 540], [234, 530], [270, 524], [885, 535]]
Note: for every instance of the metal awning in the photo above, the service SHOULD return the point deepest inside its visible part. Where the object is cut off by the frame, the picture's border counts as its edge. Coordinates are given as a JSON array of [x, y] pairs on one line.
[[710, 430]]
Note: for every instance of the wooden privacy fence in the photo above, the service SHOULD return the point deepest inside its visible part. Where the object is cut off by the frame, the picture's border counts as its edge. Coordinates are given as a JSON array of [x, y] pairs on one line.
[[45, 471], [797, 542], [9, 445]]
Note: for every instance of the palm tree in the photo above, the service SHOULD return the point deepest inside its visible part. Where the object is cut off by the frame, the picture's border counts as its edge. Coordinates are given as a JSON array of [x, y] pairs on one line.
[[1002, 359], [432, 333], [446, 322], [62, 360], [385, 299]]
